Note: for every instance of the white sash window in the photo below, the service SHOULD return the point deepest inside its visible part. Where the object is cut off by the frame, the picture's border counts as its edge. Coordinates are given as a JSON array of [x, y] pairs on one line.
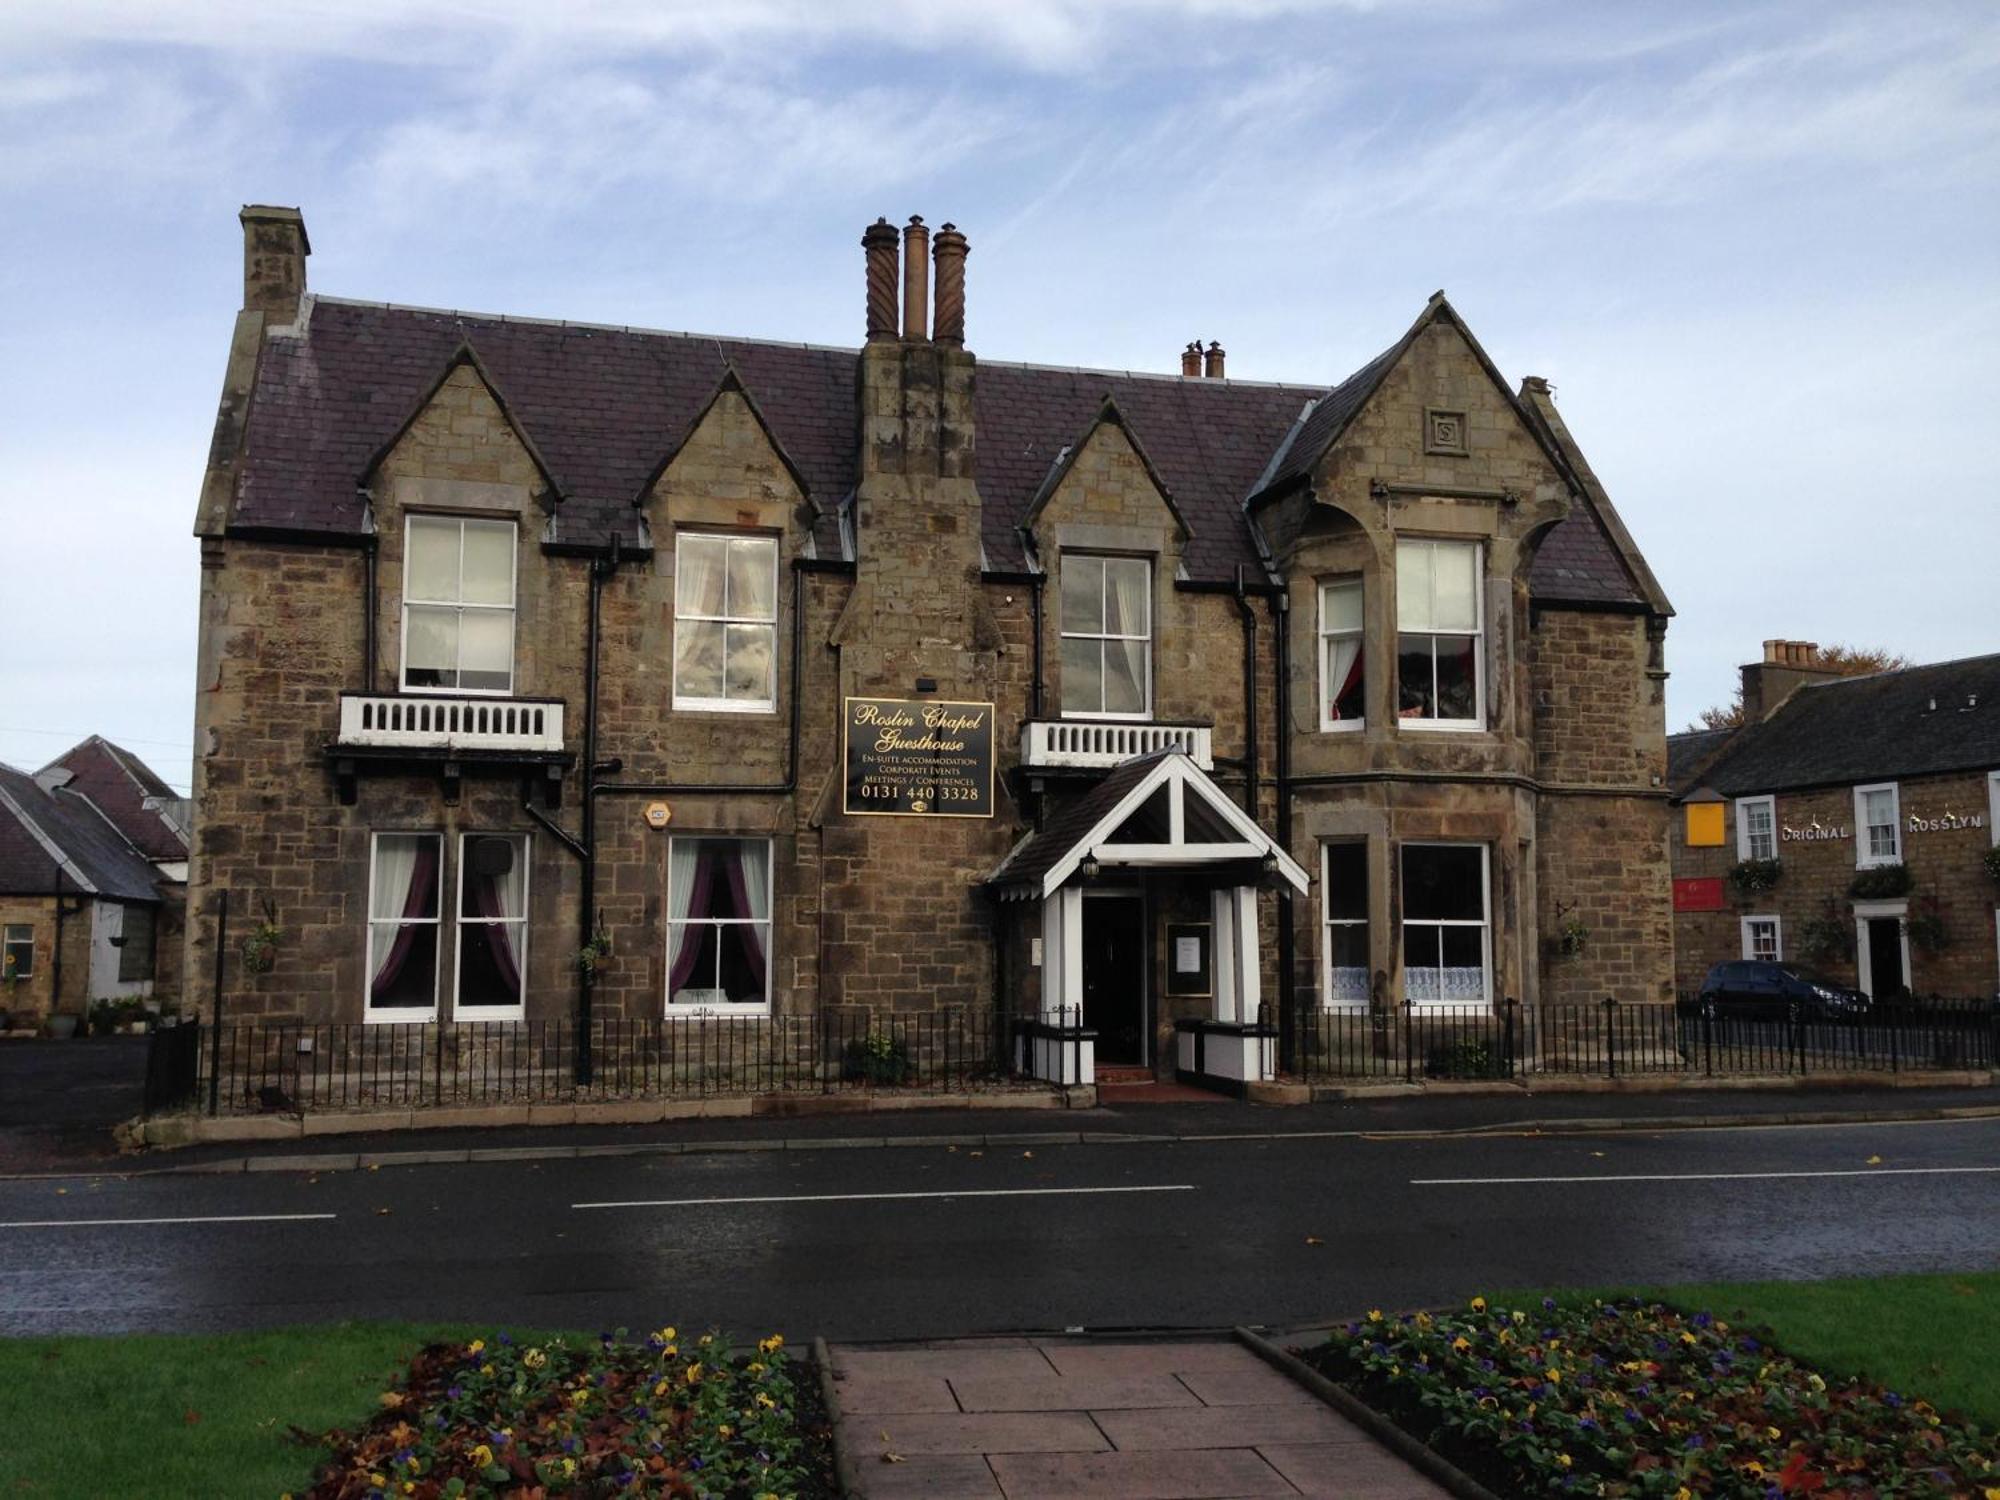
[[1107, 637], [458, 605], [1440, 667]]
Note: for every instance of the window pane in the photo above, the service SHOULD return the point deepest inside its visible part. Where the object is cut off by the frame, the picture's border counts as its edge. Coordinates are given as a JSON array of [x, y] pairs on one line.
[[489, 963], [742, 966], [1414, 696], [1127, 609], [752, 578], [430, 650], [431, 569], [405, 876], [404, 960], [698, 574], [1340, 606], [1345, 680], [694, 969], [486, 649], [489, 563], [729, 893], [1347, 962], [1125, 676], [1877, 805], [1455, 586], [698, 651], [749, 674], [1443, 882], [1413, 585], [1464, 979], [1347, 881], [493, 877], [1420, 952], [1457, 676], [1083, 594], [1082, 676]]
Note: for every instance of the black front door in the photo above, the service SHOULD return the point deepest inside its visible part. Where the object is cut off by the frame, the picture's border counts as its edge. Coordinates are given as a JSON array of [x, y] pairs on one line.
[[1885, 957], [1114, 977]]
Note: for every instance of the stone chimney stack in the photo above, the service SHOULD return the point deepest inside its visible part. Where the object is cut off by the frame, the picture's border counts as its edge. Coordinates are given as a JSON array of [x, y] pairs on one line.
[[879, 240], [1212, 362], [1191, 361], [916, 280], [948, 320], [1787, 666], [275, 248]]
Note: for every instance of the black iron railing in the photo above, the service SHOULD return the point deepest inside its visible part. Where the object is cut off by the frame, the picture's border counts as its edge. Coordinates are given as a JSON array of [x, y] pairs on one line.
[[281, 1066]]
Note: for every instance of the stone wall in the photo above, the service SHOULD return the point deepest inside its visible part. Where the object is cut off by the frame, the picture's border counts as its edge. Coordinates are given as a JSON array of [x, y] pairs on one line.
[[1949, 880]]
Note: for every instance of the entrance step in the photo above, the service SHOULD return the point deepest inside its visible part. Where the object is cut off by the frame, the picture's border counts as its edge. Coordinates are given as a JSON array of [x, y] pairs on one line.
[[1117, 1075]]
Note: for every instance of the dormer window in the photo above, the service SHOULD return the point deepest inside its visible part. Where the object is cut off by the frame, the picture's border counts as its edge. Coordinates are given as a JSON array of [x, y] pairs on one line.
[[458, 605], [1440, 677], [725, 622], [1107, 637]]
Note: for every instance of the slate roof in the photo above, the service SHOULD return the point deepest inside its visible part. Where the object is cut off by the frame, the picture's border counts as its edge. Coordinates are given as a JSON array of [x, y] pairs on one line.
[[1877, 728], [95, 850], [118, 783], [602, 406], [1689, 751]]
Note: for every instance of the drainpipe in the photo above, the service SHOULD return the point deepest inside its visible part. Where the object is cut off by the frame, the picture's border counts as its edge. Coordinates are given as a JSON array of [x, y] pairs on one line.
[[369, 555], [1249, 619], [55, 994], [601, 569], [1281, 611]]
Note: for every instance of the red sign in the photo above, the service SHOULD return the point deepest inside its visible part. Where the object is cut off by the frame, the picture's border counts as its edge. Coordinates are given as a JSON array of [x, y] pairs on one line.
[[1703, 893]]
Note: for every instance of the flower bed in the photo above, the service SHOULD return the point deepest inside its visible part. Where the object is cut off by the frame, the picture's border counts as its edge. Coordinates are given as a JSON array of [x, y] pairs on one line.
[[662, 1417], [1635, 1399]]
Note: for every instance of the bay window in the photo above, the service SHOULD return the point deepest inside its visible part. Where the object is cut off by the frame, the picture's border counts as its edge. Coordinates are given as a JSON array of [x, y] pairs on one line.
[[1342, 678], [458, 605], [1446, 944], [1107, 637], [718, 925], [1344, 898], [492, 927], [1440, 676], [1878, 840], [725, 622], [403, 922]]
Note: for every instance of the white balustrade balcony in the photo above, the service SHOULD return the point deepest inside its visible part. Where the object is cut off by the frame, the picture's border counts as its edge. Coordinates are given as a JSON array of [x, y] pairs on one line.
[[419, 721], [1091, 744]]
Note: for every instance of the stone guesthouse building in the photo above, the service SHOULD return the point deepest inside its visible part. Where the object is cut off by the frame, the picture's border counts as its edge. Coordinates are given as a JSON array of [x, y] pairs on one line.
[[792, 679], [1849, 825]]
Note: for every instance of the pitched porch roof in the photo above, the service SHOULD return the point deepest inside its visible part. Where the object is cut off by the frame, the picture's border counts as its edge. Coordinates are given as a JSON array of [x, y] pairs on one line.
[[1090, 828]]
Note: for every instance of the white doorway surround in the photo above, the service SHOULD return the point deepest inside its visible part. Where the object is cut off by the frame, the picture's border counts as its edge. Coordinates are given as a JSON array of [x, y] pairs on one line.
[[1871, 919]]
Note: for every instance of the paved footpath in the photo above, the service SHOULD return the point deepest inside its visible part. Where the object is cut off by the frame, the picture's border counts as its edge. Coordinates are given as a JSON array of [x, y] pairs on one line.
[[1051, 1419]]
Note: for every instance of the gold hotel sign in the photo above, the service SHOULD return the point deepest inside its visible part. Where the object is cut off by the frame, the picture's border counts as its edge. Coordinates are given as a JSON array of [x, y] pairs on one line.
[[920, 758]]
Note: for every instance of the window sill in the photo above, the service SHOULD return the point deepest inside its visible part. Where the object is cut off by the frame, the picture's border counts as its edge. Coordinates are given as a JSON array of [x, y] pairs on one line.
[[1342, 726], [724, 707], [471, 1014], [454, 692], [717, 1012], [1440, 726], [411, 1016], [1085, 715]]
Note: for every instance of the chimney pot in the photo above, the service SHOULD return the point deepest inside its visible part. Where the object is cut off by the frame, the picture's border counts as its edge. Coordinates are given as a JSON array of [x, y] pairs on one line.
[[1191, 361], [916, 279], [275, 248], [879, 243], [1212, 364], [949, 251]]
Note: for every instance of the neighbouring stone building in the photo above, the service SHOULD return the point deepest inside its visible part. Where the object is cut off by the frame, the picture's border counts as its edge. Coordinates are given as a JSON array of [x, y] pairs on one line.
[[1849, 826], [780, 679], [93, 861]]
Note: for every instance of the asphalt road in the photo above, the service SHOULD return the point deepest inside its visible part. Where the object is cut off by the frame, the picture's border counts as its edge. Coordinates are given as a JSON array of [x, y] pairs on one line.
[[905, 1242]]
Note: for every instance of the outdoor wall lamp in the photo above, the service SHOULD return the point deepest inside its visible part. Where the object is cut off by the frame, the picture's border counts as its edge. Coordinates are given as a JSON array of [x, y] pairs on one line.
[[1090, 869]]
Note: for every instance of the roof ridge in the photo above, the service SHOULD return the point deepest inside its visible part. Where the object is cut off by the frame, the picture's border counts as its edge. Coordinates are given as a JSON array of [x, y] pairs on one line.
[[1915, 666]]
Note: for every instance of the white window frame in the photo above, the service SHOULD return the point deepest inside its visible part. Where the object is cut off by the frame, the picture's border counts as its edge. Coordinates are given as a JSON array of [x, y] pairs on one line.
[[769, 924], [1359, 633], [518, 1011], [19, 933], [726, 705], [1485, 924], [510, 608], [1477, 723], [1745, 848], [1993, 808], [1328, 922], [1746, 931], [1864, 857], [383, 1015], [1064, 633]]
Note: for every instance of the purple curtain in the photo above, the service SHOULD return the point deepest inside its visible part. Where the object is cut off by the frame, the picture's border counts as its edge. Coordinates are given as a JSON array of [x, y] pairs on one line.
[[486, 902], [753, 946], [700, 904], [423, 876]]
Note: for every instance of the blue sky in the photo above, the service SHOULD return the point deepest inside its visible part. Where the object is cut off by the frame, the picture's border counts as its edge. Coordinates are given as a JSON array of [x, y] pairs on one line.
[[1753, 247]]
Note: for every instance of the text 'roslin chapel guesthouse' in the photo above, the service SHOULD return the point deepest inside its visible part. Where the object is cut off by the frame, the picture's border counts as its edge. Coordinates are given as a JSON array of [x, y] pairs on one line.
[[1144, 717]]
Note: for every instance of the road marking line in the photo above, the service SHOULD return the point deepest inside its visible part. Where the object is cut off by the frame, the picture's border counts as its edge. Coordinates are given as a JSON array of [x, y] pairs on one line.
[[1706, 1176], [211, 1219], [1167, 1187]]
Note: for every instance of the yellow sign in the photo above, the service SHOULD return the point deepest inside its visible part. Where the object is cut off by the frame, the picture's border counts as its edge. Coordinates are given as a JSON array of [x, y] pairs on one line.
[[658, 814]]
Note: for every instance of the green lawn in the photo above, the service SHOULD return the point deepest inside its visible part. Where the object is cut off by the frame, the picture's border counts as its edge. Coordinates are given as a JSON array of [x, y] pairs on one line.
[[170, 1415]]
